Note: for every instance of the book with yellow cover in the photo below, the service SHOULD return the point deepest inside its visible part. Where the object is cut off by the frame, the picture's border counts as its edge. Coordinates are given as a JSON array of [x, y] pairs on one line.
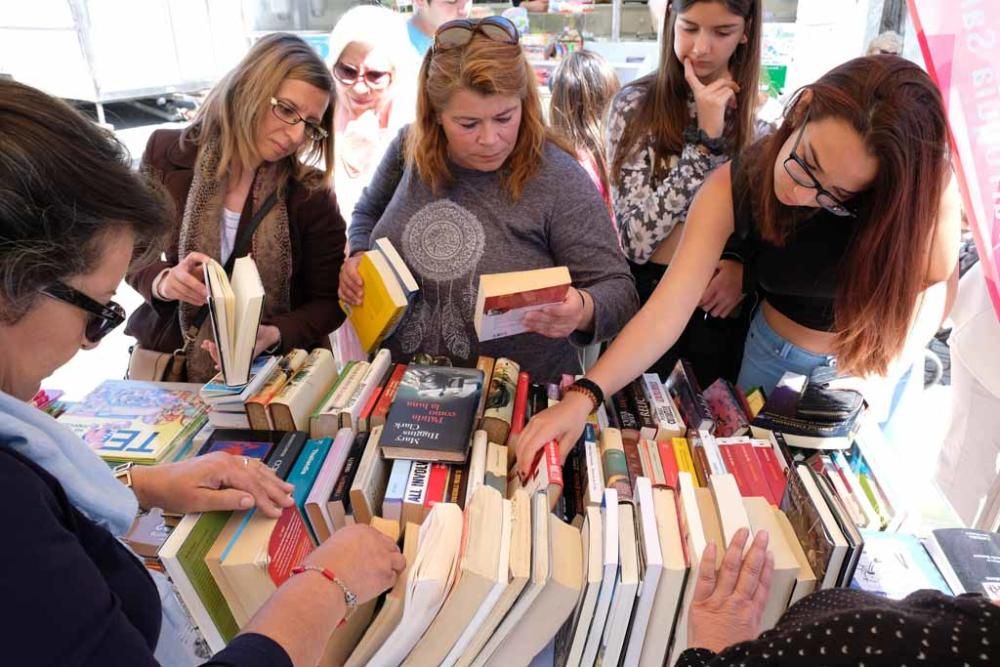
[[386, 296]]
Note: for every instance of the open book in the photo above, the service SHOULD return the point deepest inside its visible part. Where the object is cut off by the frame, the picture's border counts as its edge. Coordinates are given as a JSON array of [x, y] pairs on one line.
[[235, 305]]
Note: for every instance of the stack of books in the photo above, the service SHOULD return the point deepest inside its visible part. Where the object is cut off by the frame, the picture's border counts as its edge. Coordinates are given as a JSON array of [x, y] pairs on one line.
[[588, 562], [141, 422]]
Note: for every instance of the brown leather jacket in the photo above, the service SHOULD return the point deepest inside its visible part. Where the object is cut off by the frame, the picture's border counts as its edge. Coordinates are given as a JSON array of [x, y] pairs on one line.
[[317, 235]]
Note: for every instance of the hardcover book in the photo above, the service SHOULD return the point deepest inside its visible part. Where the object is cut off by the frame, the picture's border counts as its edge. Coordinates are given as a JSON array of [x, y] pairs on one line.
[[504, 299], [143, 422], [433, 414]]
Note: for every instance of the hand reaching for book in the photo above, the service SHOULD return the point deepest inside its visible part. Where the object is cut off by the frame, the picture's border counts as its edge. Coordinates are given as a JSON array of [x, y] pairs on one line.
[[727, 606], [185, 281], [351, 288], [216, 481], [366, 561], [725, 290], [564, 422]]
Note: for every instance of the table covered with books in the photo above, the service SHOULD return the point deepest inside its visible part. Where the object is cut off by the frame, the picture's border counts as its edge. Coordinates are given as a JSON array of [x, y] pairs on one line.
[[590, 561]]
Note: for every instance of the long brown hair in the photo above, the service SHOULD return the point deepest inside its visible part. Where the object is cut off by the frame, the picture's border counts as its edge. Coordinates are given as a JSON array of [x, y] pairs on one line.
[[582, 87], [485, 67], [233, 109], [663, 115], [899, 114]]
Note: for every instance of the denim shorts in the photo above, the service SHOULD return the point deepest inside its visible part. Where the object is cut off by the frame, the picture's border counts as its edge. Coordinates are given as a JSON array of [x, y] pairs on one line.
[[767, 356]]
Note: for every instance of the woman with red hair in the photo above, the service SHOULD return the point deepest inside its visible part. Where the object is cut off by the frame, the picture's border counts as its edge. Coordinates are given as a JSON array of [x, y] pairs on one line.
[[853, 228]]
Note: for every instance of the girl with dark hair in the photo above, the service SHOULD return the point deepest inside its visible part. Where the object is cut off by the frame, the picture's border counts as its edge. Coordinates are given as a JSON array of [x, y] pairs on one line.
[[582, 87], [852, 230], [666, 132]]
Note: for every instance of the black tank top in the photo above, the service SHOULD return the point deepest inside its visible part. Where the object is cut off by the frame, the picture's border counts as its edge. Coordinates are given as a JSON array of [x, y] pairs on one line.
[[800, 278]]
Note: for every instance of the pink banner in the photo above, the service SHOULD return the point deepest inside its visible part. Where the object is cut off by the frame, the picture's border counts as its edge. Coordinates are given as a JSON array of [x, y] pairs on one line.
[[961, 46]]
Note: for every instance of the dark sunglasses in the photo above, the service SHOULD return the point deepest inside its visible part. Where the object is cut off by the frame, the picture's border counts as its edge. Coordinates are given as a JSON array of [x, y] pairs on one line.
[[101, 318], [349, 75], [460, 32], [799, 172]]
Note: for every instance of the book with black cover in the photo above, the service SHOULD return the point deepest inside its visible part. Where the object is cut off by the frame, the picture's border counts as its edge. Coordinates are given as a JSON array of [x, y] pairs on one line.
[[968, 559], [277, 449], [780, 415], [683, 387], [433, 414]]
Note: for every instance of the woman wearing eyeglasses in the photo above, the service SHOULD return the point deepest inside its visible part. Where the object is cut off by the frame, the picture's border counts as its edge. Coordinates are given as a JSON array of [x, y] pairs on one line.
[[853, 229], [72, 214], [484, 190], [373, 69], [252, 151]]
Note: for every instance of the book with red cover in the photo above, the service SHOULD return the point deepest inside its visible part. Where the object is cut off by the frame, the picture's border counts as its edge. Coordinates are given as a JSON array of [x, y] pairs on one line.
[[364, 417], [741, 461], [668, 459], [728, 406], [547, 474], [702, 469], [437, 485], [774, 474], [381, 410], [517, 419]]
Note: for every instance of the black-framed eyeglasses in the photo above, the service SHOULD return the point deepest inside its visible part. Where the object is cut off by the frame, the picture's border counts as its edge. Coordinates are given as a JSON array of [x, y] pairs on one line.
[[460, 32], [287, 114], [796, 168], [101, 318], [349, 76]]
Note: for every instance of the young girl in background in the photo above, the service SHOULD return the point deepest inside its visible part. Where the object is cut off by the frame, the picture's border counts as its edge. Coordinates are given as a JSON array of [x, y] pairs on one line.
[[666, 133], [582, 88]]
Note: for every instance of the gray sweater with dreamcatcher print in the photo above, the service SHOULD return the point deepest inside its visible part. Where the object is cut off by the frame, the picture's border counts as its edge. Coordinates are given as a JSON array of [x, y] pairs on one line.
[[473, 227]]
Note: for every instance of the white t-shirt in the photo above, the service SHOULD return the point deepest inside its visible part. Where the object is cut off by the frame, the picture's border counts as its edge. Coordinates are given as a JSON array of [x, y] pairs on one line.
[[230, 224]]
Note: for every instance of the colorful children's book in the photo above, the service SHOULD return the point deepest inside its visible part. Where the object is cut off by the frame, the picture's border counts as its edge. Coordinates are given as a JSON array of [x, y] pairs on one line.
[[126, 420]]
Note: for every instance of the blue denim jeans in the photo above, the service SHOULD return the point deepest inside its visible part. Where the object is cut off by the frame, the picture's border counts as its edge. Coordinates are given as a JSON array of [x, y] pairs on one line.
[[767, 356]]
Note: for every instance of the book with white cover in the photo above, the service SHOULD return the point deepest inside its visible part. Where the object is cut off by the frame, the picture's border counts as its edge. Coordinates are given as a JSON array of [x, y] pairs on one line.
[[517, 578], [477, 463], [235, 305], [672, 579], [729, 504], [693, 532], [539, 577], [593, 567], [652, 568], [315, 505], [609, 515], [474, 582], [429, 579], [627, 587], [499, 586], [371, 381]]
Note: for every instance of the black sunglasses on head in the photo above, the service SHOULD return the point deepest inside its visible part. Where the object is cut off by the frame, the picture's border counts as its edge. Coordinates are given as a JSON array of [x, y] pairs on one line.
[[460, 32], [101, 318]]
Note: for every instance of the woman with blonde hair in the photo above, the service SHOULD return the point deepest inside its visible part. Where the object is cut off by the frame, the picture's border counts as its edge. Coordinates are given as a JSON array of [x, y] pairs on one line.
[[243, 178], [374, 68], [484, 189]]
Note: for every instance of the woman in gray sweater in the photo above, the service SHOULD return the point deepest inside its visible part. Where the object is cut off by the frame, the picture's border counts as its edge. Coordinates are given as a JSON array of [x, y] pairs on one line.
[[477, 186]]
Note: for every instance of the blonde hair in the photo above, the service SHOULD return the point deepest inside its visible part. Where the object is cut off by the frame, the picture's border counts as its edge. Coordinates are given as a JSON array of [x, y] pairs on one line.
[[383, 29], [485, 67], [234, 108]]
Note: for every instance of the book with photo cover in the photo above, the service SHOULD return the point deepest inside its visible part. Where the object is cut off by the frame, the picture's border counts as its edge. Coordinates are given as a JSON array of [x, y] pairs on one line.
[[433, 414]]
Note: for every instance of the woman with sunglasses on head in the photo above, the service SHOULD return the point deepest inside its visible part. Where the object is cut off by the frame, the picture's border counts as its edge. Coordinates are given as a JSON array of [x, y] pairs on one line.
[[73, 594], [852, 227], [666, 133], [482, 189], [373, 69], [249, 158]]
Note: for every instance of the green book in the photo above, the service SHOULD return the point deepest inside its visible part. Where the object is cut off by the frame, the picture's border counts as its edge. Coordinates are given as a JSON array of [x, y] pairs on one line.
[[191, 556]]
